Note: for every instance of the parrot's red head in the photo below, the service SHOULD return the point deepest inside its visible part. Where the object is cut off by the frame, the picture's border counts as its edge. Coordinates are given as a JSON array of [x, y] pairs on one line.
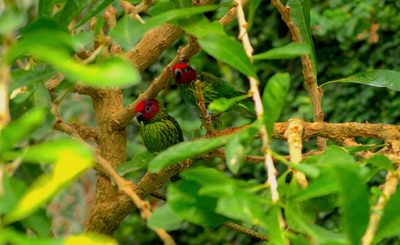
[[147, 109], [183, 73]]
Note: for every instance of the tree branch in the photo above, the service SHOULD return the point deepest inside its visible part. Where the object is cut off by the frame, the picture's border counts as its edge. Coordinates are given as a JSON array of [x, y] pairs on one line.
[[204, 115]]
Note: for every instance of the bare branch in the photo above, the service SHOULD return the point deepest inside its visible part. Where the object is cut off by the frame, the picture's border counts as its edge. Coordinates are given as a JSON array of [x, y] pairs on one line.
[[246, 231], [5, 79], [204, 115]]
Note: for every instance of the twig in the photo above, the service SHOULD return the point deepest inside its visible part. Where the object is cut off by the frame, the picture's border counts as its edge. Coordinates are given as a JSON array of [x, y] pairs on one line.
[[310, 81], [246, 231], [294, 137], [128, 188], [269, 164], [5, 79], [131, 10], [388, 189], [204, 115]]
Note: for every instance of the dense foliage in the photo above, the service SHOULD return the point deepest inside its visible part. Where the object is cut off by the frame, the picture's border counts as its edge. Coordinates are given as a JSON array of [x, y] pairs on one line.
[[47, 181]]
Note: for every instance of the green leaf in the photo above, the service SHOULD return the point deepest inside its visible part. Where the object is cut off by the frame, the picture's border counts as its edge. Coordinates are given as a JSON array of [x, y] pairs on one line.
[[390, 222], [354, 202], [213, 182], [376, 78], [243, 206], [139, 161], [89, 239], [94, 10], [229, 51], [296, 220], [223, 104], [13, 189], [10, 20], [185, 201], [10, 236], [381, 162], [125, 32], [274, 228], [38, 222], [200, 26], [164, 218], [68, 166], [70, 11], [19, 129], [358, 148], [185, 150], [45, 8], [234, 152], [300, 13], [21, 77], [252, 10], [292, 50], [273, 98], [53, 47], [160, 6]]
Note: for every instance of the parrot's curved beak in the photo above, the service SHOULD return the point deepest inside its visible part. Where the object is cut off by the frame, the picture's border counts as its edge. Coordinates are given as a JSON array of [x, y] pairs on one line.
[[178, 73], [139, 117]]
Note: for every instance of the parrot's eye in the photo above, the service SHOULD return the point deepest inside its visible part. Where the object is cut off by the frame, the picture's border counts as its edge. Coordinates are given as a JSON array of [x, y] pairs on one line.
[[147, 109], [186, 69]]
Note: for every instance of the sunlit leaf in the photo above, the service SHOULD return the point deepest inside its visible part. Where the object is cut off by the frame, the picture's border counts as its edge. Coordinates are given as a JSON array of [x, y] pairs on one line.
[[89, 239], [200, 26], [376, 78], [292, 50], [164, 218], [10, 236], [69, 165], [20, 128], [234, 151], [274, 97], [223, 104]]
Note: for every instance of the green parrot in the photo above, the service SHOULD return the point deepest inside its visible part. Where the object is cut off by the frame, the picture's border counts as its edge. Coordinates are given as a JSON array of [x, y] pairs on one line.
[[158, 129], [212, 87]]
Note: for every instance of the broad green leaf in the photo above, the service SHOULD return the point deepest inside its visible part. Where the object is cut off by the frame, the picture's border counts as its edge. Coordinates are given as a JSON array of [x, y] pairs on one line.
[[94, 10], [10, 20], [292, 50], [45, 8], [89, 239], [185, 150], [164, 218], [376, 78], [213, 183], [38, 223], [21, 77], [223, 104], [12, 191], [273, 99], [243, 206], [275, 232], [19, 129], [390, 222], [125, 32], [139, 161], [234, 152], [160, 6], [353, 201], [53, 46], [50, 150], [336, 155], [10, 236], [229, 51], [71, 10], [187, 203], [381, 162], [200, 26], [355, 149], [69, 165], [252, 10], [177, 14], [298, 222], [300, 13]]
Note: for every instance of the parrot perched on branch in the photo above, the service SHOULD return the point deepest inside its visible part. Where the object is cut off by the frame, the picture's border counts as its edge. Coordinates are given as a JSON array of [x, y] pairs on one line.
[[212, 88], [158, 129]]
